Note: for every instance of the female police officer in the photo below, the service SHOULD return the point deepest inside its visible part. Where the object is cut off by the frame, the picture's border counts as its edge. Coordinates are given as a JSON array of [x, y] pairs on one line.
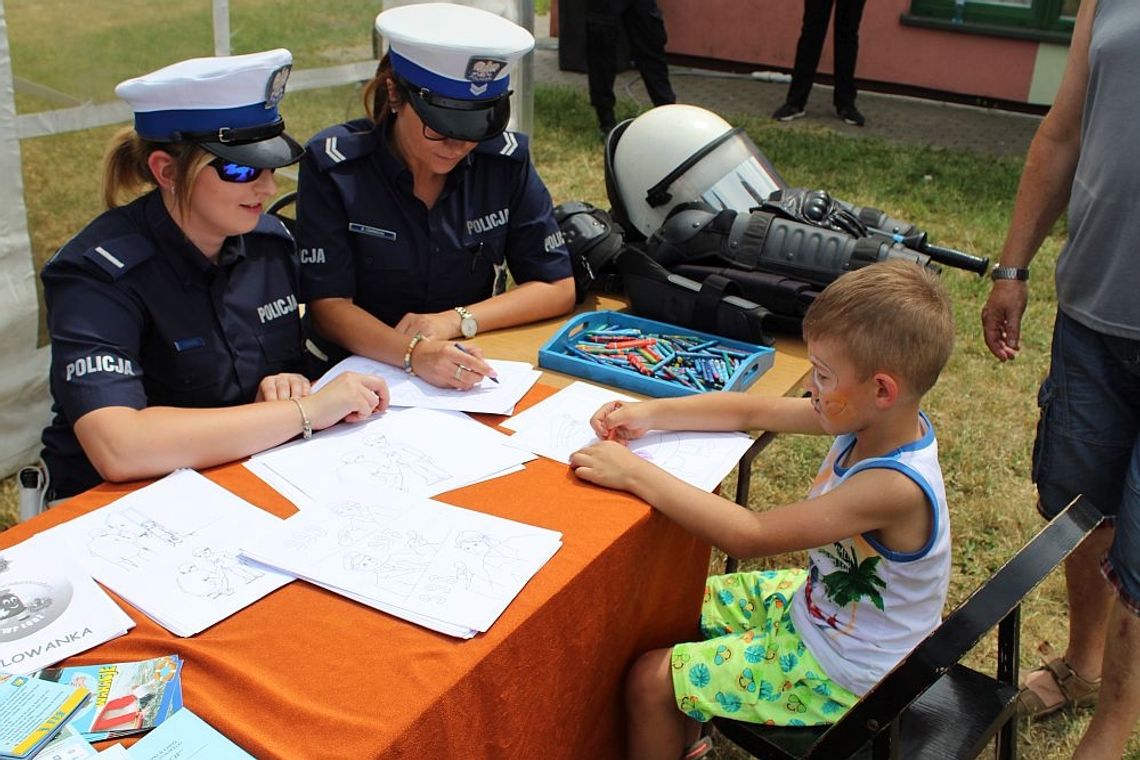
[[406, 219], [183, 300]]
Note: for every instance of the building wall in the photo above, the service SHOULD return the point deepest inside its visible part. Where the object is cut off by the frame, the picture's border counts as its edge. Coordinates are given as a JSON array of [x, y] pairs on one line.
[[763, 33]]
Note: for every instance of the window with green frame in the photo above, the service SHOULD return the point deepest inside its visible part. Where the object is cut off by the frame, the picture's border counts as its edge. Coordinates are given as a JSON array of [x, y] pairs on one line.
[[1030, 18]]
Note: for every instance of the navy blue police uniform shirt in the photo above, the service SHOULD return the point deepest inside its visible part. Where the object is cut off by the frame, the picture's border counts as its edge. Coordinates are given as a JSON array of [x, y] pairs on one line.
[[363, 235], [139, 317]]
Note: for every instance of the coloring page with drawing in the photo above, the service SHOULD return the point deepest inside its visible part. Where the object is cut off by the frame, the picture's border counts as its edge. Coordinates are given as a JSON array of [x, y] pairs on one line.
[[558, 426], [170, 550], [422, 452], [405, 554], [515, 379]]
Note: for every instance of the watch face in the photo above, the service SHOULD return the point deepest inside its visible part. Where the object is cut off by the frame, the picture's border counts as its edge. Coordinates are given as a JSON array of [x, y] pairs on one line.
[[468, 326]]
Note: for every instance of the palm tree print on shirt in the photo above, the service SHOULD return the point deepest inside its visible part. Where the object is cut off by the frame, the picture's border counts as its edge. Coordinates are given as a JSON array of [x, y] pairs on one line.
[[851, 581]]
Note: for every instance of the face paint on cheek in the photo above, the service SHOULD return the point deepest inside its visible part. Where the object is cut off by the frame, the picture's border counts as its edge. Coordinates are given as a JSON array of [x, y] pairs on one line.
[[831, 405]]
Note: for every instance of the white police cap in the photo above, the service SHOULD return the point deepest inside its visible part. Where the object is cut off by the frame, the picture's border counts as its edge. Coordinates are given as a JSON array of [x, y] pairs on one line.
[[226, 104], [456, 62]]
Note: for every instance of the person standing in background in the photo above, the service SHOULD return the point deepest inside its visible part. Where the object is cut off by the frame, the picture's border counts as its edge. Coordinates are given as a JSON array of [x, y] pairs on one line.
[[641, 20], [1088, 437], [848, 15]]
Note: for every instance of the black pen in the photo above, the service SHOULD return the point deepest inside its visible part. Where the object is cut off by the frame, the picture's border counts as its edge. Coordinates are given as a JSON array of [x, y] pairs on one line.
[[492, 378]]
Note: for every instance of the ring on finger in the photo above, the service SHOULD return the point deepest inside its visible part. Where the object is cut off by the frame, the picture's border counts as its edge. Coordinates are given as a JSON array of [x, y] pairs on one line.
[[458, 370]]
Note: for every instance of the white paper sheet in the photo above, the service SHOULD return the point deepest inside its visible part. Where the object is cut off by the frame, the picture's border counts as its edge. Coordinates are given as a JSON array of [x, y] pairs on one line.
[[417, 451], [413, 557], [170, 550], [515, 379], [558, 426], [50, 608]]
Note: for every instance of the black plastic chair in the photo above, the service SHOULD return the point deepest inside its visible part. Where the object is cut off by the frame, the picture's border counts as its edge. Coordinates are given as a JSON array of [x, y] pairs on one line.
[[930, 705], [279, 206]]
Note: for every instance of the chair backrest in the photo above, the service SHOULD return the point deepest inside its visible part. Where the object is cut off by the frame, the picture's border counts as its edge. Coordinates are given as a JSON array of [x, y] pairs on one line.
[[960, 631], [279, 205]]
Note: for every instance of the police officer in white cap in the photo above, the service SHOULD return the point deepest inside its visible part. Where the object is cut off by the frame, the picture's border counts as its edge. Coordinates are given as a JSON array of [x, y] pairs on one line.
[[407, 220], [184, 299]]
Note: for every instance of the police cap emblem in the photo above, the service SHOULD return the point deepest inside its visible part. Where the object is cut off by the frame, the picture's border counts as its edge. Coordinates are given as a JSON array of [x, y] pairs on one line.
[[480, 69], [275, 90]]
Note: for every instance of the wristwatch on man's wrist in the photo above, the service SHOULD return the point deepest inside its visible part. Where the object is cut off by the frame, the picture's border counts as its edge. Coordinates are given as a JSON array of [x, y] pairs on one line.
[[467, 324], [1009, 273]]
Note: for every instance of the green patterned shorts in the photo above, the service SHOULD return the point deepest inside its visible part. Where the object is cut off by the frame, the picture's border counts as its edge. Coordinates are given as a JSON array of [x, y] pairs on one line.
[[753, 666]]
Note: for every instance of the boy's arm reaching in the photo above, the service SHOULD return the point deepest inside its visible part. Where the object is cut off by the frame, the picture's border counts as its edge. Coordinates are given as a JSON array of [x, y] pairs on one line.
[[705, 411], [873, 500]]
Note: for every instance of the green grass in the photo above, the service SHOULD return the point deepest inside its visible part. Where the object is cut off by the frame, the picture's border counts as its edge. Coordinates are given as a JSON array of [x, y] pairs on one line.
[[984, 412]]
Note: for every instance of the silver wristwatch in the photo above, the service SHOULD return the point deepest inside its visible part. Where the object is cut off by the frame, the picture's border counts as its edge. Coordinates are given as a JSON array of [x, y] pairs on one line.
[[467, 324], [1009, 273]]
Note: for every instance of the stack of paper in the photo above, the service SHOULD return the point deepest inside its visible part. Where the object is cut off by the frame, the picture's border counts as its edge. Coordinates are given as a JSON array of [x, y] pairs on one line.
[[558, 426], [515, 379], [170, 550], [33, 711], [130, 697], [446, 568], [50, 608], [422, 452]]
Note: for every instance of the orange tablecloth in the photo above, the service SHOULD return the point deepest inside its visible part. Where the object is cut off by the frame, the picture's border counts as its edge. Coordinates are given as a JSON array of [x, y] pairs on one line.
[[305, 673]]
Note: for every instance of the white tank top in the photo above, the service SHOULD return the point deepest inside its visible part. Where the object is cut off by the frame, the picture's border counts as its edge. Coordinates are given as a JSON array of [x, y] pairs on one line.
[[863, 606]]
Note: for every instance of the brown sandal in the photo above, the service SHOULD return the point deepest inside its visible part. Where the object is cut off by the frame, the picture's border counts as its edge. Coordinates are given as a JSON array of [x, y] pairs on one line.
[[1077, 691]]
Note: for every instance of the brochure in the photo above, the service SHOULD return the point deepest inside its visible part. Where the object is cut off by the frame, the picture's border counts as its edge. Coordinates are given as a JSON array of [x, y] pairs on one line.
[[33, 711], [50, 608], [186, 736], [128, 697]]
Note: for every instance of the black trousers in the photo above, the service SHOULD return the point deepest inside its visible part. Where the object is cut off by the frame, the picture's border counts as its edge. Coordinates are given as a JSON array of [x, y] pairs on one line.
[[848, 14], [641, 20]]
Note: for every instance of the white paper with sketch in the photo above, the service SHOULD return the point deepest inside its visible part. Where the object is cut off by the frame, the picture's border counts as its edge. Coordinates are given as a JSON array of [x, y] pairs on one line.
[[417, 451], [515, 379], [431, 559], [170, 550], [559, 425], [50, 608]]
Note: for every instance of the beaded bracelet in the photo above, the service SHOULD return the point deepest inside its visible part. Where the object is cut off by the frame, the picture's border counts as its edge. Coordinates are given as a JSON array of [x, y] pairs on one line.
[[408, 354]]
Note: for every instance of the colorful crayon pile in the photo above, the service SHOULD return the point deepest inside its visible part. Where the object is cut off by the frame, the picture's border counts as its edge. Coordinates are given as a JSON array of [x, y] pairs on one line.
[[697, 363]]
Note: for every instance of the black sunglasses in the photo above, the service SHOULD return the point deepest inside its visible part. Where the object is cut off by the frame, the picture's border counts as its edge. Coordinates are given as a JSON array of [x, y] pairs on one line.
[[228, 171]]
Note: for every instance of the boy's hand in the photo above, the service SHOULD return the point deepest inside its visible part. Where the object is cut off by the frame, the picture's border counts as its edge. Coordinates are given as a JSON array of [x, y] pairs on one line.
[[608, 464], [619, 422]]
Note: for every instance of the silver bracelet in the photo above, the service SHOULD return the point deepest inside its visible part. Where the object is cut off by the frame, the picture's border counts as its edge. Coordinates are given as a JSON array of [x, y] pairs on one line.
[[306, 423]]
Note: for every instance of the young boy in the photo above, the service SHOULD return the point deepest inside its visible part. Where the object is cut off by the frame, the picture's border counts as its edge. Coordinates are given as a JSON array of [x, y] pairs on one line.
[[799, 647]]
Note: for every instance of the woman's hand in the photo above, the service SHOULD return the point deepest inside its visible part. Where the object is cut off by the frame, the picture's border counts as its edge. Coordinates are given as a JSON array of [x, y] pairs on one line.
[[608, 464], [441, 326], [282, 386], [621, 422], [444, 365], [350, 396]]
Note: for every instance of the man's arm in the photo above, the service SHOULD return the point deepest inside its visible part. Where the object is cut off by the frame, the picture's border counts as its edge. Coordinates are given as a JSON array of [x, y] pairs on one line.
[[1042, 193]]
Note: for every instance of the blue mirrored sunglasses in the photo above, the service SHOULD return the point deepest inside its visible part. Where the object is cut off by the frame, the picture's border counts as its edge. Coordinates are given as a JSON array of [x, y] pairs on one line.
[[228, 171]]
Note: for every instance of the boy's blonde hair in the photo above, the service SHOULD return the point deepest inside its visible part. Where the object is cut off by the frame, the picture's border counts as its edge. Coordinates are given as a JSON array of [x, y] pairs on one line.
[[893, 317]]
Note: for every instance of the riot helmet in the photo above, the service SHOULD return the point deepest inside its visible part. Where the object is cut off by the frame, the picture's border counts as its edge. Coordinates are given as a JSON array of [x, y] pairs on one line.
[[677, 154]]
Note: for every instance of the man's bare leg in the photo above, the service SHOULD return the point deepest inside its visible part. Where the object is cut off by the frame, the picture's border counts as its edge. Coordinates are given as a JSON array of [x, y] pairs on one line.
[[1119, 706]]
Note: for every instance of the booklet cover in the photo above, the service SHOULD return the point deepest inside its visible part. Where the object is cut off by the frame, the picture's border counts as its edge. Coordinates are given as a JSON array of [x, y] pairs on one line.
[[129, 697], [50, 608], [187, 737], [33, 711]]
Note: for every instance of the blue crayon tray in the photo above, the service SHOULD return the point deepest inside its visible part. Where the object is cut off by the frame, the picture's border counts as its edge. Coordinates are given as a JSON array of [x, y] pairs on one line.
[[554, 355]]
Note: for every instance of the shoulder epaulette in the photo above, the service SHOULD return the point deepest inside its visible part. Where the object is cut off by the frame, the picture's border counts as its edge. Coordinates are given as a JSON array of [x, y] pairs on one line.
[[344, 142], [268, 224], [117, 256], [513, 145]]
